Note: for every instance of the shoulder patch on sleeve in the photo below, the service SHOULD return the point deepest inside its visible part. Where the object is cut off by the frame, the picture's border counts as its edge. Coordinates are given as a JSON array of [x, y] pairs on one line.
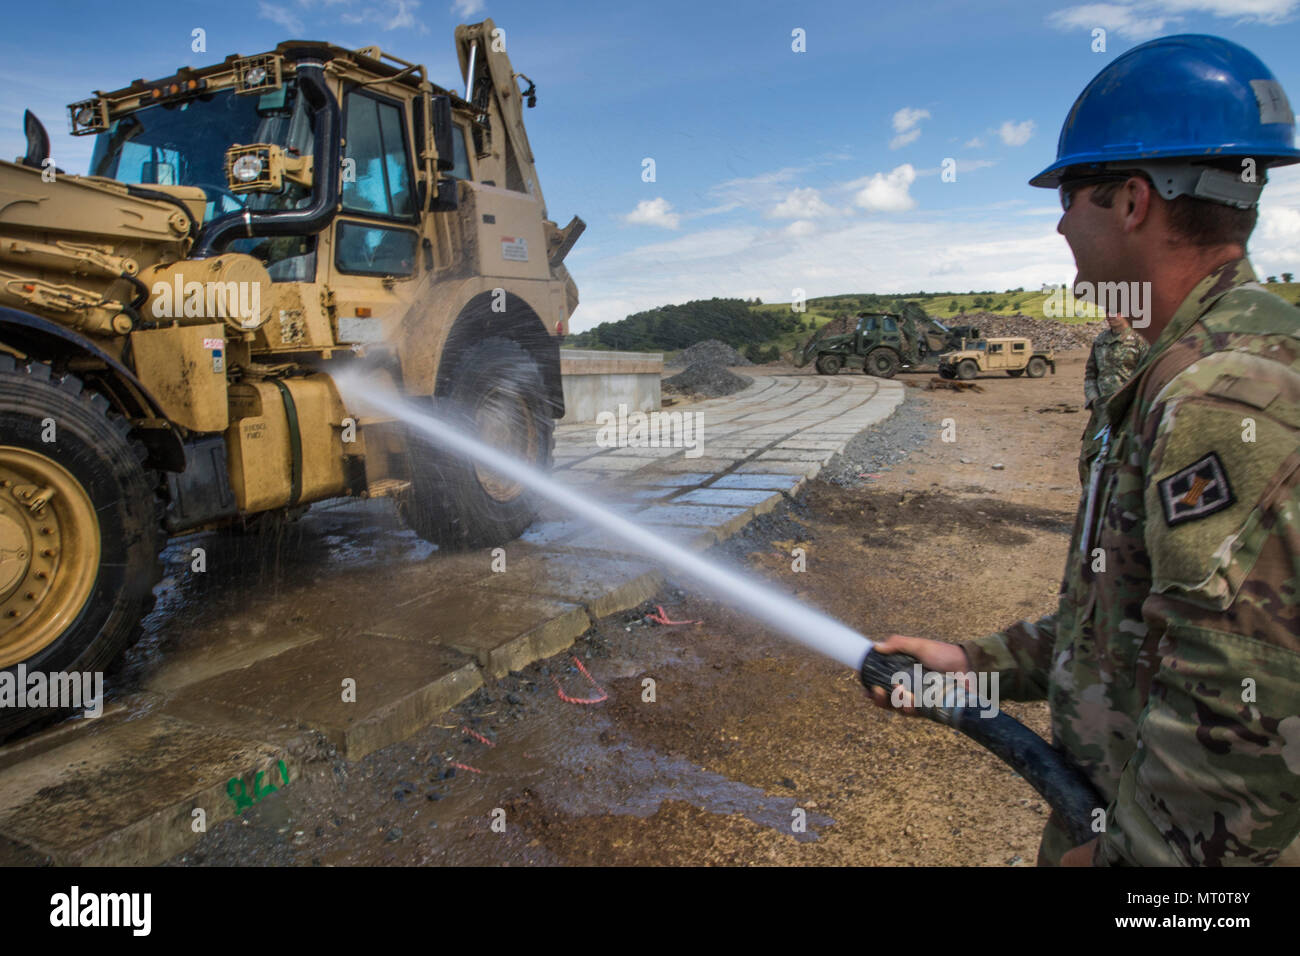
[[1199, 490]]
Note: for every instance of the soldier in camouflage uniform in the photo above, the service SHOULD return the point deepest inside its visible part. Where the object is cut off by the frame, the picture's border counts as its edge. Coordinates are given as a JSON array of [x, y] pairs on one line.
[[1172, 662], [1116, 354]]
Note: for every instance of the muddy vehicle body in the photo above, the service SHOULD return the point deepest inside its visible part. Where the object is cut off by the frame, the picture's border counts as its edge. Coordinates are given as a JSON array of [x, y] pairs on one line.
[[883, 343], [174, 326], [1013, 355]]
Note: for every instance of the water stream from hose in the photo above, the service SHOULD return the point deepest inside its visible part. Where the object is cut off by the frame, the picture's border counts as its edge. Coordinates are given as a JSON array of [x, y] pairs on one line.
[[752, 596]]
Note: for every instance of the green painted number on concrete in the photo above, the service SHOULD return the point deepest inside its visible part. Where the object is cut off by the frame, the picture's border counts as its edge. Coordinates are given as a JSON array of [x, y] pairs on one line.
[[238, 791]]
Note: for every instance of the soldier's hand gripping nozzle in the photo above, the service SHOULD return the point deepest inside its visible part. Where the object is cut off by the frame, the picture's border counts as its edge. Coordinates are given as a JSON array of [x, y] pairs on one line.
[[1064, 788]]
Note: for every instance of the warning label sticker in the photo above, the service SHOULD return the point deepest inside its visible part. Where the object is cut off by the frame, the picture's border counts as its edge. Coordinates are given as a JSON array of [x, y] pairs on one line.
[[213, 343], [514, 248]]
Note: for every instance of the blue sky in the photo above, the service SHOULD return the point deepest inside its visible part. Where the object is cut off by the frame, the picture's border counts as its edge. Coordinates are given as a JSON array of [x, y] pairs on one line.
[[775, 170]]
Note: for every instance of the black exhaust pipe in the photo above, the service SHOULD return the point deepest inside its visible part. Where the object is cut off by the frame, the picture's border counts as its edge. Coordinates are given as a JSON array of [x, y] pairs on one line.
[[1064, 788], [325, 183]]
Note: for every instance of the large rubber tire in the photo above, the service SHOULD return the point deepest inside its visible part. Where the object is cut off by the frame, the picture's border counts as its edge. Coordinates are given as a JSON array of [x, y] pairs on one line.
[[1015, 372], [1037, 367], [100, 561], [829, 364], [967, 369], [882, 363], [497, 396]]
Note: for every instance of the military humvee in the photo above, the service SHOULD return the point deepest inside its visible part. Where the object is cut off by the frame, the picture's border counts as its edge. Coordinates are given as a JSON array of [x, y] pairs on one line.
[[172, 324], [1015, 356]]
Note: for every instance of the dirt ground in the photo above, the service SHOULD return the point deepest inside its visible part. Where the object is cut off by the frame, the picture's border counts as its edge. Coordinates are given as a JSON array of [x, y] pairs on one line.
[[721, 742]]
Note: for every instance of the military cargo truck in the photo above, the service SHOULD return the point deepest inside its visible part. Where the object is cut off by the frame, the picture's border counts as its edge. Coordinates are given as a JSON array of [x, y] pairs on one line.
[[172, 324], [882, 343]]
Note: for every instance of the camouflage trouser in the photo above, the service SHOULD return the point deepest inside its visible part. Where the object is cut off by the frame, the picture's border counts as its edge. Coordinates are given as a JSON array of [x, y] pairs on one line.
[[1089, 446]]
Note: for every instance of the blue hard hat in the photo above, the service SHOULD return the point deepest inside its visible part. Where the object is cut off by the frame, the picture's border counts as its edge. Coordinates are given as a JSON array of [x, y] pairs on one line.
[[1189, 97]]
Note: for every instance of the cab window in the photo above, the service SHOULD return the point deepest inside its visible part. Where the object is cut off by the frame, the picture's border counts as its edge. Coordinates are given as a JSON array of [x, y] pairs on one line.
[[891, 325], [377, 167], [995, 348], [869, 325], [461, 155]]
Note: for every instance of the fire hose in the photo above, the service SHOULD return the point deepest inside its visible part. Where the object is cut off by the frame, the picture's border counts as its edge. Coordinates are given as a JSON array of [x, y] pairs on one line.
[[1064, 788]]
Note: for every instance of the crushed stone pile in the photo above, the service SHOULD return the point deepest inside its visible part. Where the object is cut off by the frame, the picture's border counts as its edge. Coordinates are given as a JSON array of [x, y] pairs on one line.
[[1045, 333], [711, 351], [710, 379]]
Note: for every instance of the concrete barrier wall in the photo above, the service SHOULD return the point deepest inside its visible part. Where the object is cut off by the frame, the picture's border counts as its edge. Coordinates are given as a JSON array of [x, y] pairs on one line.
[[596, 382]]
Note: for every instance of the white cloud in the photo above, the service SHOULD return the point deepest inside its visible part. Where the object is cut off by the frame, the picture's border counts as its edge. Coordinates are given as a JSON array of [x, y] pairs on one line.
[[1143, 19], [998, 245], [280, 15], [902, 139], [467, 8], [1016, 134], [887, 192], [907, 125], [801, 203], [860, 255], [1125, 20], [973, 143], [1275, 244], [654, 212], [388, 15]]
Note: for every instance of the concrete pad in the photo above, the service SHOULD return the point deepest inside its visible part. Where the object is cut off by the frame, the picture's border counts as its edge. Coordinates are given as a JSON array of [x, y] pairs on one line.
[[695, 465], [603, 587], [400, 685], [734, 497], [125, 796], [680, 480], [235, 644], [725, 520], [768, 466], [695, 539], [795, 454], [770, 482], [813, 444], [609, 462]]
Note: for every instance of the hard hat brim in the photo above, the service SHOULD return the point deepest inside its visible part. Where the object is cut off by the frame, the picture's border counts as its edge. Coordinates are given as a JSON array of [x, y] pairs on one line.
[[1051, 177]]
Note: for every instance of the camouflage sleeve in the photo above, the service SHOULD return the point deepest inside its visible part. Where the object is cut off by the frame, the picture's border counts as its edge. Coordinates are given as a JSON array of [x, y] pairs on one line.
[[1020, 655], [1090, 391], [1133, 352], [1213, 780]]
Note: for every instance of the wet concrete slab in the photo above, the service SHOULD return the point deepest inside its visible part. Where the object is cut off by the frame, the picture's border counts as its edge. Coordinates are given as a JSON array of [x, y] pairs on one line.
[[760, 501], [126, 795], [680, 480], [805, 469], [602, 588], [361, 692], [763, 481], [722, 519], [234, 644], [795, 454]]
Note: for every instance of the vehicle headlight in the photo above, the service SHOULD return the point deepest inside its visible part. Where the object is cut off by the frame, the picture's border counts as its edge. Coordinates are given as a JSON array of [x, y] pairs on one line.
[[247, 168]]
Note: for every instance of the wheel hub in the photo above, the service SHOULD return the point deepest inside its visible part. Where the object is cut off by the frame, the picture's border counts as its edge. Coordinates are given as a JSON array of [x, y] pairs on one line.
[[504, 421], [49, 552]]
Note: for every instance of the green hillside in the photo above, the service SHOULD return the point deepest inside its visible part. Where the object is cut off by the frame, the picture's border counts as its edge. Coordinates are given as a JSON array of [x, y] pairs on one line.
[[760, 329]]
